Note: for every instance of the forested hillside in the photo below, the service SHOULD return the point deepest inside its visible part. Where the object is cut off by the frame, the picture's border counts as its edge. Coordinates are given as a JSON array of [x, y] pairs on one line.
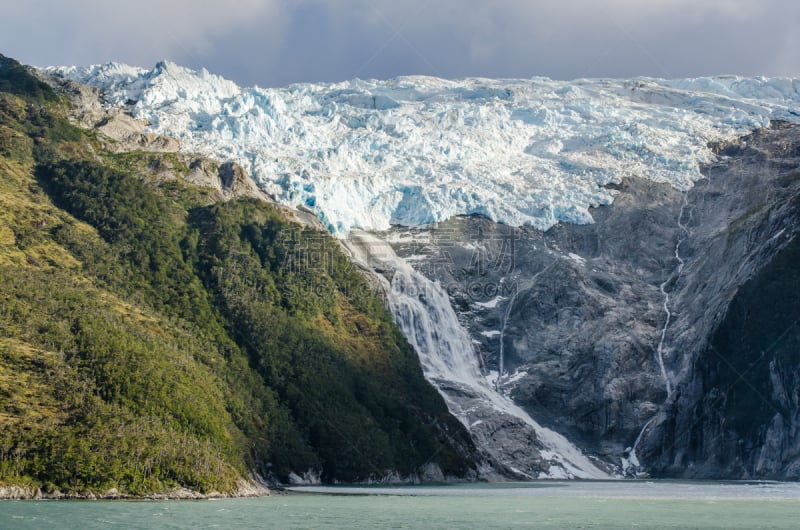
[[154, 336]]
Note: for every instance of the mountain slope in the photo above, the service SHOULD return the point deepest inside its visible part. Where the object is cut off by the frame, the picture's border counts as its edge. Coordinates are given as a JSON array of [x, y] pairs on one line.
[[573, 247], [659, 338], [737, 411], [134, 355]]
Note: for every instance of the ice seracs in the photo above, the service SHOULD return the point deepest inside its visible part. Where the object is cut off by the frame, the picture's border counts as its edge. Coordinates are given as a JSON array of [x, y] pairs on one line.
[[416, 150]]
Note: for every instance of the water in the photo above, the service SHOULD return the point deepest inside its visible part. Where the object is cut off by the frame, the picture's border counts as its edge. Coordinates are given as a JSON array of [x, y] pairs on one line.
[[422, 310], [506, 318], [623, 504], [684, 233]]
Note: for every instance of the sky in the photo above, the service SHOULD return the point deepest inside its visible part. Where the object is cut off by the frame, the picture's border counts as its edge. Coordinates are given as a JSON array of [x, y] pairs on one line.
[[273, 43]]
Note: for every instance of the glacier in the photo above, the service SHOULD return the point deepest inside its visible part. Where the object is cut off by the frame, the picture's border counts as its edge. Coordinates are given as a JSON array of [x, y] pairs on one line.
[[369, 154]]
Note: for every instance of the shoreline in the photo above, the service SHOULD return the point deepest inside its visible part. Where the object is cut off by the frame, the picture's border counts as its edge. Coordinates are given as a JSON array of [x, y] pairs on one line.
[[589, 489], [251, 488]]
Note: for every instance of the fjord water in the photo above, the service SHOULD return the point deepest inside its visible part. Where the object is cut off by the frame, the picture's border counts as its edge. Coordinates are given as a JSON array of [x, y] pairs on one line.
[[623, 504]]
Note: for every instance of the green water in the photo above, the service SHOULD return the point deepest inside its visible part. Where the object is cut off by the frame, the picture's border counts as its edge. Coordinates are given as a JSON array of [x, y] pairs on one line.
[[563, 506]]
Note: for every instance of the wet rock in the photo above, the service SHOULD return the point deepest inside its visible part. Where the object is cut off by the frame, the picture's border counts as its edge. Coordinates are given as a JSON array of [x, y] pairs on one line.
[[576, 320]]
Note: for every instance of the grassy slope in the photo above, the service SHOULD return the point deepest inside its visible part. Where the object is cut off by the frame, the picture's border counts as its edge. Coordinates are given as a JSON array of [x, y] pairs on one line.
[[150, 337]]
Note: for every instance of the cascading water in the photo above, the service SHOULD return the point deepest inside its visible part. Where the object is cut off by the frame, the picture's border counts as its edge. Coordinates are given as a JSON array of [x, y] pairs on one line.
[[506, 316], [682, 234], [631, 464], [422, 310]]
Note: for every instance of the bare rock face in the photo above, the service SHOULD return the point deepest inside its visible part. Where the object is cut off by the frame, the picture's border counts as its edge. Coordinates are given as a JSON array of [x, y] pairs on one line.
[[640, 336], [255, 486], [122, 133], [129, 136], [738, 414], [228, 178], [15, 493], [236, 182]]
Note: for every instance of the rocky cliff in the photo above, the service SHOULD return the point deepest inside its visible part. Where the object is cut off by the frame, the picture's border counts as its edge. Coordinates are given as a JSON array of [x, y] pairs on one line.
[[658, 339]]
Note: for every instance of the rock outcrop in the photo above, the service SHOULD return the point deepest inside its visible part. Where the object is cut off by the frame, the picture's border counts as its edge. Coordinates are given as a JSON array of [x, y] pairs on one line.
[[630, 336]]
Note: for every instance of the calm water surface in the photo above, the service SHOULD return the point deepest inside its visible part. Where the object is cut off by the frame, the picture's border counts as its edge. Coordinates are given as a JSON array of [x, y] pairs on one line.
[[550, 505]]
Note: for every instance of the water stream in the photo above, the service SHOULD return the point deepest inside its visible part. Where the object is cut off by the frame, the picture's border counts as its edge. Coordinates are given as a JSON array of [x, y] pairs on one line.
[[632, 463], [506, 316], [422, 310], [682, 235]]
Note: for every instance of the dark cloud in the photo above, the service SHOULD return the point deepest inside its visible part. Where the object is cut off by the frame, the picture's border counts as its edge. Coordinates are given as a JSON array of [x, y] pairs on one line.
[[275, 42]]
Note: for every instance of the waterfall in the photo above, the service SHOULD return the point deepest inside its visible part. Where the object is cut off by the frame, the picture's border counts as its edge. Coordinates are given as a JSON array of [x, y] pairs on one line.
[[634, 456], [506, 316], [632, 462], [683, 234], [422, 310]]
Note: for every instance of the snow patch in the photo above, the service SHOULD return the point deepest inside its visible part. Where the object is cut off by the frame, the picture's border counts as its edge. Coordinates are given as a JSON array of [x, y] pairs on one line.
[[491, 304], [513, 378], [577, 259]]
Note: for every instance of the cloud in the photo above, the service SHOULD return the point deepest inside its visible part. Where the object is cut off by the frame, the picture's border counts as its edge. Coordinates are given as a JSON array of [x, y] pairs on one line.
[[274, 42], [564, 38], [141, 32]]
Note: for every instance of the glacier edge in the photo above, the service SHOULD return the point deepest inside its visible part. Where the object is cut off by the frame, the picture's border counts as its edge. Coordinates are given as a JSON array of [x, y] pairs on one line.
[[412, 151]]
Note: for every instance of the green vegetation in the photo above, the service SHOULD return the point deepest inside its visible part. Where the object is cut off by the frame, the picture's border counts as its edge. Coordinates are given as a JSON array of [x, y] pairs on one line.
[[151, 338], [15, 79]]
